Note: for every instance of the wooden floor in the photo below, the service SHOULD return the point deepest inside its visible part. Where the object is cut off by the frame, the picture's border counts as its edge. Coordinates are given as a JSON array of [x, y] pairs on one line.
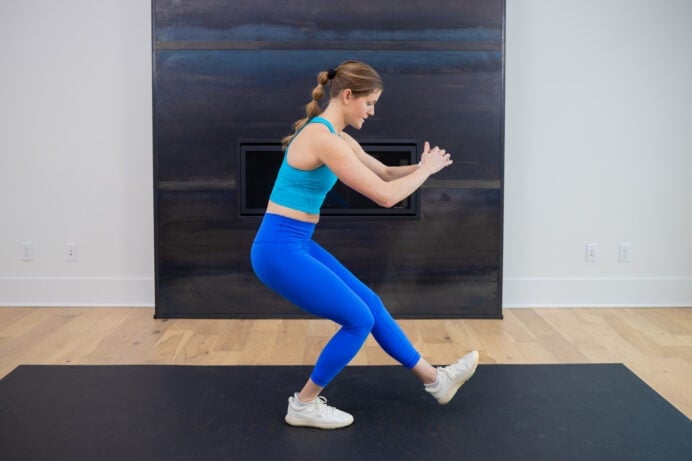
[[656, 344]]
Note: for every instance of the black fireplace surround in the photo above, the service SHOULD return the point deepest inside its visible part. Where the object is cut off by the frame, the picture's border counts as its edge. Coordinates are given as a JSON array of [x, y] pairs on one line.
[[230, 78]]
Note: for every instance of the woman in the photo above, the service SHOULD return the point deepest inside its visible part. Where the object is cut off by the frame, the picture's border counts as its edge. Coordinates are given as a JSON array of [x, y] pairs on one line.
[[285, 257]]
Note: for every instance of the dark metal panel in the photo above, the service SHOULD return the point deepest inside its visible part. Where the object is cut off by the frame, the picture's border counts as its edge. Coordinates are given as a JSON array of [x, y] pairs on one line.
[[252, 21], [443, 265], [207, 100], [230, 71]]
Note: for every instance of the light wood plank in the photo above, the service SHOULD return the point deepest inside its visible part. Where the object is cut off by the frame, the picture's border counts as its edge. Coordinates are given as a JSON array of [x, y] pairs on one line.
[[656, 344]]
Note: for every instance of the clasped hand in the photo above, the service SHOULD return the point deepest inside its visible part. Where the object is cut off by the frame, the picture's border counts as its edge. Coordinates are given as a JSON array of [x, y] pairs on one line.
[[435, 159]]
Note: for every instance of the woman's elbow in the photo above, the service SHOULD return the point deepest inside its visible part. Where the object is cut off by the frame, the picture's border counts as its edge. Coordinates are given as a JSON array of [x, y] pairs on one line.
[[387, 202], [388, 174]]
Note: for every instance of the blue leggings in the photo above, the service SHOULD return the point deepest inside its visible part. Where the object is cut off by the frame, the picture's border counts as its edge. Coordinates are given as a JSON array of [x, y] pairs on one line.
[[285, 258]]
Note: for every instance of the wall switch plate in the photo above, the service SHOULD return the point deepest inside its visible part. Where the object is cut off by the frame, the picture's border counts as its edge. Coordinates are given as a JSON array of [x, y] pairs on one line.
[[624, 252], [27, 251], [591, 254], [71, 252]]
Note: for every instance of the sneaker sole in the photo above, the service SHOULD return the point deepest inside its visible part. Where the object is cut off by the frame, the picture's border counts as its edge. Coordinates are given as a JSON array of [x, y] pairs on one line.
[[453, 390], [297, 422]]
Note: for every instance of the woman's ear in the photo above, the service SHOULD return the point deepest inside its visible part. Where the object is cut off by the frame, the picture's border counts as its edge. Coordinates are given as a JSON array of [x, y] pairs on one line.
[[347, 95]]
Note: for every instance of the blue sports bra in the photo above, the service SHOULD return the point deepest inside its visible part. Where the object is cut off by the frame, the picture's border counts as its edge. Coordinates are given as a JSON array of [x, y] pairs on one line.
[[303, 190]]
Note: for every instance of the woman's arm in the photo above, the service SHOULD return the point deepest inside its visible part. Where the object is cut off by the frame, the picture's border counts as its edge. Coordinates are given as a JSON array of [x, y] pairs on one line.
[[365, 174], [385, 172]]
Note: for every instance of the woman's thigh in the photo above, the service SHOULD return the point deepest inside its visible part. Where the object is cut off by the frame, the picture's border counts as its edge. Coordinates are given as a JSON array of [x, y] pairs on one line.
[[308, 282]]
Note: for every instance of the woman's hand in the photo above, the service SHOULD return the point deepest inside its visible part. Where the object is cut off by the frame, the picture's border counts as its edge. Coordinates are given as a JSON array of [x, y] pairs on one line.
[[435, 159]]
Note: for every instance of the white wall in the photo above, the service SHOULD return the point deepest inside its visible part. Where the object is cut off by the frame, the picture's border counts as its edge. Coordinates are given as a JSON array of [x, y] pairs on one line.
[[75, 152], [598, 150]]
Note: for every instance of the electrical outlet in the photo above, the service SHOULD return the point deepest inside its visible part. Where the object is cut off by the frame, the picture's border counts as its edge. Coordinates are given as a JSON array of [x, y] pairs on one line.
[[591, 254], [27, 251], [71, 252], [625, 252]]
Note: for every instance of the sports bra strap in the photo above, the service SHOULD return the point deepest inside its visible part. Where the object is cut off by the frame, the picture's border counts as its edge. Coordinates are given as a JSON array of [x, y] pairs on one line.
[[324, 122]]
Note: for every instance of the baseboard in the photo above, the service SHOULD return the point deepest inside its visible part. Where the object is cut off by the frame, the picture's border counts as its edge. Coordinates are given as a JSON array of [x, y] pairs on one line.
[[597, 292], [77, 292], [517, 292]]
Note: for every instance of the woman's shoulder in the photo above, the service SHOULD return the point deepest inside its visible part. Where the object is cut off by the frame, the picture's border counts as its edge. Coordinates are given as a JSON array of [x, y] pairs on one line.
[[351, 141], [313, 145], [320, 137]]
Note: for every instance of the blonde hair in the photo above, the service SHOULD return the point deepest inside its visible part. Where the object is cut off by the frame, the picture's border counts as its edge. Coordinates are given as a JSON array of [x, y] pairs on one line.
[[359, 77]]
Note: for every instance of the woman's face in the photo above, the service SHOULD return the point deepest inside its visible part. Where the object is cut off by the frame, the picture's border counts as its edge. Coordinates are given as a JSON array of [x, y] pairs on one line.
[[360, 108]]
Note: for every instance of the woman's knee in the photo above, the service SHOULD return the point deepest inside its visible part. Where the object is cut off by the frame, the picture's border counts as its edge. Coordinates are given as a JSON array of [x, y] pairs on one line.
[[375, 304], [361, 322]]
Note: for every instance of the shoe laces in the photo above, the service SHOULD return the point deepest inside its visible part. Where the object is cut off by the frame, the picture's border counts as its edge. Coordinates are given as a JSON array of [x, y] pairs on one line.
[[456, 369], [320, 404], [450, 372]]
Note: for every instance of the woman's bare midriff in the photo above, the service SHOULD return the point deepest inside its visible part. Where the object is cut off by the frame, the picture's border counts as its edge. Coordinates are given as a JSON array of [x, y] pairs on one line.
[[281, 210]]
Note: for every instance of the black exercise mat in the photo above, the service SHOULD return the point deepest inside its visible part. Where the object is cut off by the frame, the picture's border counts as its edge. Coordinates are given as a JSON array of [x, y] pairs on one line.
[[506, 412]]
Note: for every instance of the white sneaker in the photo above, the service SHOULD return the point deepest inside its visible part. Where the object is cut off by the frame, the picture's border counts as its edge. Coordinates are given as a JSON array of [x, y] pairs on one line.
[[316, 413], [450, 378]]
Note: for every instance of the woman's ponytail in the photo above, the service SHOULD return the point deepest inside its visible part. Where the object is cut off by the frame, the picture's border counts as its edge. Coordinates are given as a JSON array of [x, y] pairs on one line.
[[359, 77], [312, 109]]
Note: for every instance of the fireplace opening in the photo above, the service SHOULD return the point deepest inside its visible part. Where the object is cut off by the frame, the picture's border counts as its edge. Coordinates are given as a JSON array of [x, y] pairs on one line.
[[260, 162]]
